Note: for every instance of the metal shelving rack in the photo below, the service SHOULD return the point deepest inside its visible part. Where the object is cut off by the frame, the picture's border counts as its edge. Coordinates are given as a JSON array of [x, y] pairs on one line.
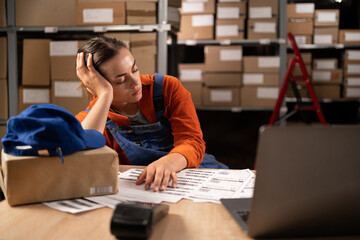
[[161, 28]]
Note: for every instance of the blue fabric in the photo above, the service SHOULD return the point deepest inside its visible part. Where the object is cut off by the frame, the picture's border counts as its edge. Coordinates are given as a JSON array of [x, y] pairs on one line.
[[144, 144], [48, 127]]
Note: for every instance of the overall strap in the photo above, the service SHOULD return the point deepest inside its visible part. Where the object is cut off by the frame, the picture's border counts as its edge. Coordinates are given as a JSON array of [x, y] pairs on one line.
[[158, 97]]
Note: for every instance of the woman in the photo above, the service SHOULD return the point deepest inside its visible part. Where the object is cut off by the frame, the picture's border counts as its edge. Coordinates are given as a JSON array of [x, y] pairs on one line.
[[148, 120]]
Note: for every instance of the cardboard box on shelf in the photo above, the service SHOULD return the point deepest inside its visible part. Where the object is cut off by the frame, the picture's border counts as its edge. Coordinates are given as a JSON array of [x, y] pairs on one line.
[[3, 57], [68, 95], [260, 28], [191, 72], [301, 88], [263, 9], [146, 63], [232, 29], [45, 13], [300, 10], [223, 58], [217, 96], [297, 71], [222, 79], [32, 95], [303, 39], [259, 96], [327, 91], [306, 57], [195, 89], [264, 64], [352, 81], [325, 35], [352, 68], [352, 55], [2, 13], [4, 109], [143, 43], [300, 26], [327, 17], [100, 13], [174, 3], [325, 63], [197, 7], [45, 178], [141, 12], [101, 1], [350, 36], [327, 76], [196, 27], [231, 10], [352, 92], [124, 37], [36, 62], [261, 79]]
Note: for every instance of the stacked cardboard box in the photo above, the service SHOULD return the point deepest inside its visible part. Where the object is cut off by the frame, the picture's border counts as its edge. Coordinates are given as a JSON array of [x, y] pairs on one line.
[[349, 36], [65, 90], [230, 20], [260, 81], [140, 12], [197, 19], [263, 18], [35, 85], [4, 114], [144, 49], [300, 21], [2, 13], [326, 24], [191, 77], [327, 78], [223, 66], [352, 74]]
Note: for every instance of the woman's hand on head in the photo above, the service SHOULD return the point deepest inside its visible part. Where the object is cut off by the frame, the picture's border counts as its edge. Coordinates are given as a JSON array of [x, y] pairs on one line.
[[161, 171], [95, 83]]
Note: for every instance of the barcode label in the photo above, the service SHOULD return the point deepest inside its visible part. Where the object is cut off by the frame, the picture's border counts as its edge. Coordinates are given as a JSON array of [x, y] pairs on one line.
[[101, 190]]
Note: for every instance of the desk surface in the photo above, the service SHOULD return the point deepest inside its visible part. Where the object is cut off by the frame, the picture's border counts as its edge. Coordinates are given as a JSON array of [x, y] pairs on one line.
[[186, 220]]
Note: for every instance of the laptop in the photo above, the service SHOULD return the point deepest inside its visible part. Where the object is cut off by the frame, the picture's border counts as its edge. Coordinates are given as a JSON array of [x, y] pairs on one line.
[[307, 183]]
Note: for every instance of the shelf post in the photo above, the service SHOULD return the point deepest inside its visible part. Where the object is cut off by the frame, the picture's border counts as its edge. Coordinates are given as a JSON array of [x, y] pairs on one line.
[[162, 37]]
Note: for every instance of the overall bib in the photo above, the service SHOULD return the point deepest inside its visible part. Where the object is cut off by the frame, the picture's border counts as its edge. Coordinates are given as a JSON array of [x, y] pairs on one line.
[[144, 144]]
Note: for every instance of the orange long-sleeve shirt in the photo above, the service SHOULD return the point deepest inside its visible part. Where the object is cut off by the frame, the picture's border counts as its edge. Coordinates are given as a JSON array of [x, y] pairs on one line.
[[179, 110]]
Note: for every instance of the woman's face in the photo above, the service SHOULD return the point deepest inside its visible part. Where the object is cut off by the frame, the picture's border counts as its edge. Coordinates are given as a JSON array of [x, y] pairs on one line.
[[121, 71]]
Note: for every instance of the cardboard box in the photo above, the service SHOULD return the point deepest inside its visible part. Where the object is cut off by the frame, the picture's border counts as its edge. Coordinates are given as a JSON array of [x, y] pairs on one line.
[[4, 104], [327, 17], [191, 72], [84, 173], [197, 7], [45, 13], [100, 13], [195, 89], [143, 43], [232, 29], [146, 63], [174, 3], [124, 37], [326, 35], [300, 26], [327, 91], [352, 55], [2, 13], [101, 1], [259, 28], [351, 68], [36, 62], [306, 57], [141, 13], [352, 81], [2, 134], [197, 27], [300, 10], [3, 57], [350, 36], [223, 58], [325, 63], [29, 96], [352, 92], [217, 96], [302, 89], [261, 79], [222, 79], [303, 39], [259, 96], [263, 9], [327, 76], [68, 95], [264, 64], [298, 73], [231, 10]]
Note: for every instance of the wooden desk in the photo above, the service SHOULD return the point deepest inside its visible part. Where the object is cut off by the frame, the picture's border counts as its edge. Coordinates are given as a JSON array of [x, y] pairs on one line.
[[186, 220]]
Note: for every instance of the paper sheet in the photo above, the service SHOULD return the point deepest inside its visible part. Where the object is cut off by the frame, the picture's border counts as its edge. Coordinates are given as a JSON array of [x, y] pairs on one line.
[[74, 205]]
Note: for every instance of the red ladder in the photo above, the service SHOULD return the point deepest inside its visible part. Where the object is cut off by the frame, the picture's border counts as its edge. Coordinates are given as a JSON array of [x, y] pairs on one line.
[[289, 79]]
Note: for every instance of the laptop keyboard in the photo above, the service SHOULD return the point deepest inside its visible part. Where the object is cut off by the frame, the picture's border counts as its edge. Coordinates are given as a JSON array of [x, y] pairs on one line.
[[244, 215]]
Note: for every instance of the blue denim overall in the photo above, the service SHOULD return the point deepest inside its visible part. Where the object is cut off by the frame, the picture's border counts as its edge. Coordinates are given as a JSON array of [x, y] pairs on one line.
[[144, 144]]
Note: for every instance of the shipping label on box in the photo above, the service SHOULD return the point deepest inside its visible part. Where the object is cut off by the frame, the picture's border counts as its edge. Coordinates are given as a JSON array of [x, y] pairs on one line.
[[352, 81], [261, 79], [352, 92], [350, 36], [352, 55], [221, 96], [222, 79], [223, 58], [231, 10], [196, 27], [326, 35], [325, 63], [258, 96], [229, 29], [327, 76], [264, 64], [30, 96], [195, 7], [258, 29], [303, 39], [327, 17], [263, 9], [191, 72], [300, 10]]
